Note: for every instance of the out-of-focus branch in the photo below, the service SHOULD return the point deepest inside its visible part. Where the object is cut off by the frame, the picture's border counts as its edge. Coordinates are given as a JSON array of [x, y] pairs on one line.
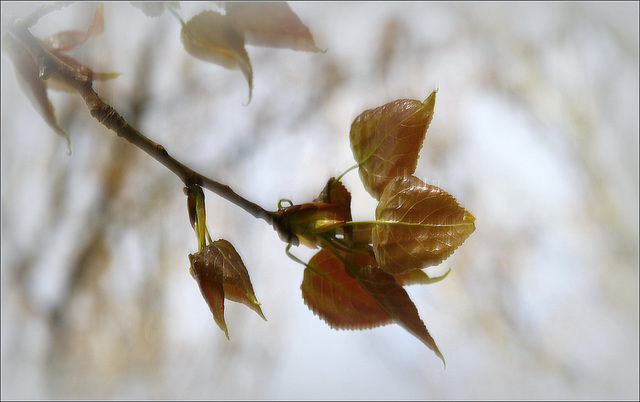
[[49, 65]]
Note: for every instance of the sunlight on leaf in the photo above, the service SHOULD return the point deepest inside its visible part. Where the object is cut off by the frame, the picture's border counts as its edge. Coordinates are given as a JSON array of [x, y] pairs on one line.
[[396, 302], [211, 37], [386, 141], [271, 24], [337, 297], [307, 220], [417, 225]]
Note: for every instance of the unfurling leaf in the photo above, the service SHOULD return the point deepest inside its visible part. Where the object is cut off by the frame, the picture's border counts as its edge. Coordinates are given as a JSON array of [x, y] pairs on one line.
[[337, 297], [212, 37], [271, 24], [221, 274], [306, 221], [386, 140], [417, 225]]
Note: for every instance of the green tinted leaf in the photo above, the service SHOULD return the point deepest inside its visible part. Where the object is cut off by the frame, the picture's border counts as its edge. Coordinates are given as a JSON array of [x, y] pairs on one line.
[[211, 37], [386, 141], [417, 225]]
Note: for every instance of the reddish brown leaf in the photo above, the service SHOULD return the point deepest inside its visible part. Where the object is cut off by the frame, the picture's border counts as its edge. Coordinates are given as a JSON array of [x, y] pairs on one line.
[[395, 301], [221, 274], [337, 297], [417, 225], [271, 24], [209, 278], [235, 278], [211, 37], [386, 140]]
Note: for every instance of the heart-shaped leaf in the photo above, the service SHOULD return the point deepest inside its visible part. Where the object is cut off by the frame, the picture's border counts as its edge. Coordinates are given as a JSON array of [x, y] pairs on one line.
[[386, 141], [271, 24], [417, 225], [212, 37]]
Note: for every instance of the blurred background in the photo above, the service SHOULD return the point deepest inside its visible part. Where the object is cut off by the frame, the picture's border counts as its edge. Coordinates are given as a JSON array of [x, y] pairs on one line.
[[535, 132]]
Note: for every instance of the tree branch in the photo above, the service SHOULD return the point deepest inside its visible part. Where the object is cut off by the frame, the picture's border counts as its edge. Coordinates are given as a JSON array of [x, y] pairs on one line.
[[49, 64]]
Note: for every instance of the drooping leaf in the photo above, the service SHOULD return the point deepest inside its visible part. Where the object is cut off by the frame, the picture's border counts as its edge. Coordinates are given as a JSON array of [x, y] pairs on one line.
[[417, 225], [221, 274], [235, 278], [337, 297], [209, 278], [386, 141], [271, 24], [212, 37], [67, 40], [28, 74], [395, 301]]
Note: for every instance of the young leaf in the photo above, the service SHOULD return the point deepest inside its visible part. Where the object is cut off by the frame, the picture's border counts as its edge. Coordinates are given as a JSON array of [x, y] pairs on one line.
[[211, 37], [235, 278], [209, 278], [28, 74], [386, 140], [67, 40], [418, 277], [417, 225], [221, 274], [271, 24], [395, 301], [337, 297], [306, 221]]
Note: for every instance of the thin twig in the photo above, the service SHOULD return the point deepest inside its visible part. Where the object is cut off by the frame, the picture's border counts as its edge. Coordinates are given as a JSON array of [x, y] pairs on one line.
[[110, 118]]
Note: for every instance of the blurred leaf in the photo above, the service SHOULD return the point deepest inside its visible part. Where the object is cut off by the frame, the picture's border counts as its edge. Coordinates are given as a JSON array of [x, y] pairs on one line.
[[211, 37], [386, 141], [67, 40], [337, 297], [55, 82], [28, 74], [221, 274], [154, 8], [417, 225], [271, 24]]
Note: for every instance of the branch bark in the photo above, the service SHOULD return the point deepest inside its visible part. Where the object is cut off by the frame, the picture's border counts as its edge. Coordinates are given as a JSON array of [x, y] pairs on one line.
[[50, 64]]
